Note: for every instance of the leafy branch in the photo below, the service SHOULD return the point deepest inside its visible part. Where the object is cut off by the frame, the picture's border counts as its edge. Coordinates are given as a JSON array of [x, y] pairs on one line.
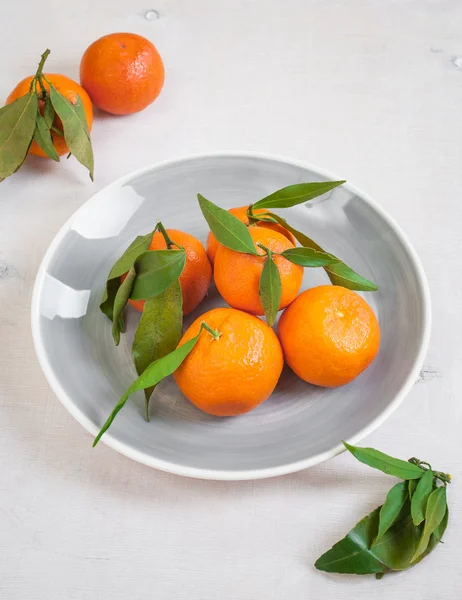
[[156, 372], [152, 276], [404, 530], [32, 118]]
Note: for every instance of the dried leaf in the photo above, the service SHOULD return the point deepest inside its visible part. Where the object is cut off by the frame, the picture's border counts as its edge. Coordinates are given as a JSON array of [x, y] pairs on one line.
[[75, 127], [17, 125], [43, 138]]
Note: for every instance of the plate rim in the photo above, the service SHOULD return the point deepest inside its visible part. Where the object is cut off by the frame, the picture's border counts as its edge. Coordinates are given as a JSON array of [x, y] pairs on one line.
[[213, 474]]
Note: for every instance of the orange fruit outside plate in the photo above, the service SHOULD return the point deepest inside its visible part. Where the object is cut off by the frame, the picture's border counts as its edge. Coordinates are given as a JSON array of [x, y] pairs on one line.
[[122, 72], [69, 89]]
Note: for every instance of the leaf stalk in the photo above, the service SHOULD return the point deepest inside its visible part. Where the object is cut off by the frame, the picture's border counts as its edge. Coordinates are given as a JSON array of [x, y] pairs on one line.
[[443, 477], [213, 332]]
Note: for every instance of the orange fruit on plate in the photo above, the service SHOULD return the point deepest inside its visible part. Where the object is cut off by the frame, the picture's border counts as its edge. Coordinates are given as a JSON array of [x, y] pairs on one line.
[[329, 335], [122, 72], [69, 89], [237, 275], [234, 373], [241, 213], [196, 277]]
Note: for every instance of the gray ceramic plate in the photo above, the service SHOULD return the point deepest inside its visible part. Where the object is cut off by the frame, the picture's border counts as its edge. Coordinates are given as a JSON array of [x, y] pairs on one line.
[[300, 425]]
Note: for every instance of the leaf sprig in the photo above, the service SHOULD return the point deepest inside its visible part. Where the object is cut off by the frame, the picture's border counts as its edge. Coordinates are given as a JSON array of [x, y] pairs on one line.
[[234, 234], [155, 372], [400, 533], [31, 117], [153, 276], [339, 273]]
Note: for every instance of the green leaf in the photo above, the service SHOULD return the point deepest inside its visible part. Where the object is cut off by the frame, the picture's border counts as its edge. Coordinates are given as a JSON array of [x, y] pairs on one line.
[[412, 486], [339, 273], [304, 240], [396, 547], [383, 462], [356, 554], [108, 298], [139, 245], [352, 554], [393, 552], [122, 266], [387, 539], [440, 530], [308, 257], [342, 274], [392, 507], [434, 515], [227, 228], [158, 331], [156, 271], [42, 136], [48, 112], [296, 194], [270, 290], [17, 125], [155, 372], [420, 497], [120, 302], [75, 128], [435, 539]]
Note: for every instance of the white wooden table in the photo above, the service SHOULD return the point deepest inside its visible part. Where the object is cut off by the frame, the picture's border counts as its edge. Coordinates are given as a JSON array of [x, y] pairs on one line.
[[369, 89]]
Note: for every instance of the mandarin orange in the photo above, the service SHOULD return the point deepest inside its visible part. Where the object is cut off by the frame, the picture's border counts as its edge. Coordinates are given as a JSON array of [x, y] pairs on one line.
[[196, 277], [237, 275], [235, 372], [122, 72], [70, 90], [329, 335]]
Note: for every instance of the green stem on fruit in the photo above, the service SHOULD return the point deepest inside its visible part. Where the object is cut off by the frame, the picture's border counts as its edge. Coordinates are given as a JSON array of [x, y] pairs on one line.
[[213, 332], [267, 250], [253, 218], [39, 74], [169, 242], [41, 63]]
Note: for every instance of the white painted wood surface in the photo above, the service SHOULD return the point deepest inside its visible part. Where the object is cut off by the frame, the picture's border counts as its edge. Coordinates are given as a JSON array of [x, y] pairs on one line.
[[371, 90]]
